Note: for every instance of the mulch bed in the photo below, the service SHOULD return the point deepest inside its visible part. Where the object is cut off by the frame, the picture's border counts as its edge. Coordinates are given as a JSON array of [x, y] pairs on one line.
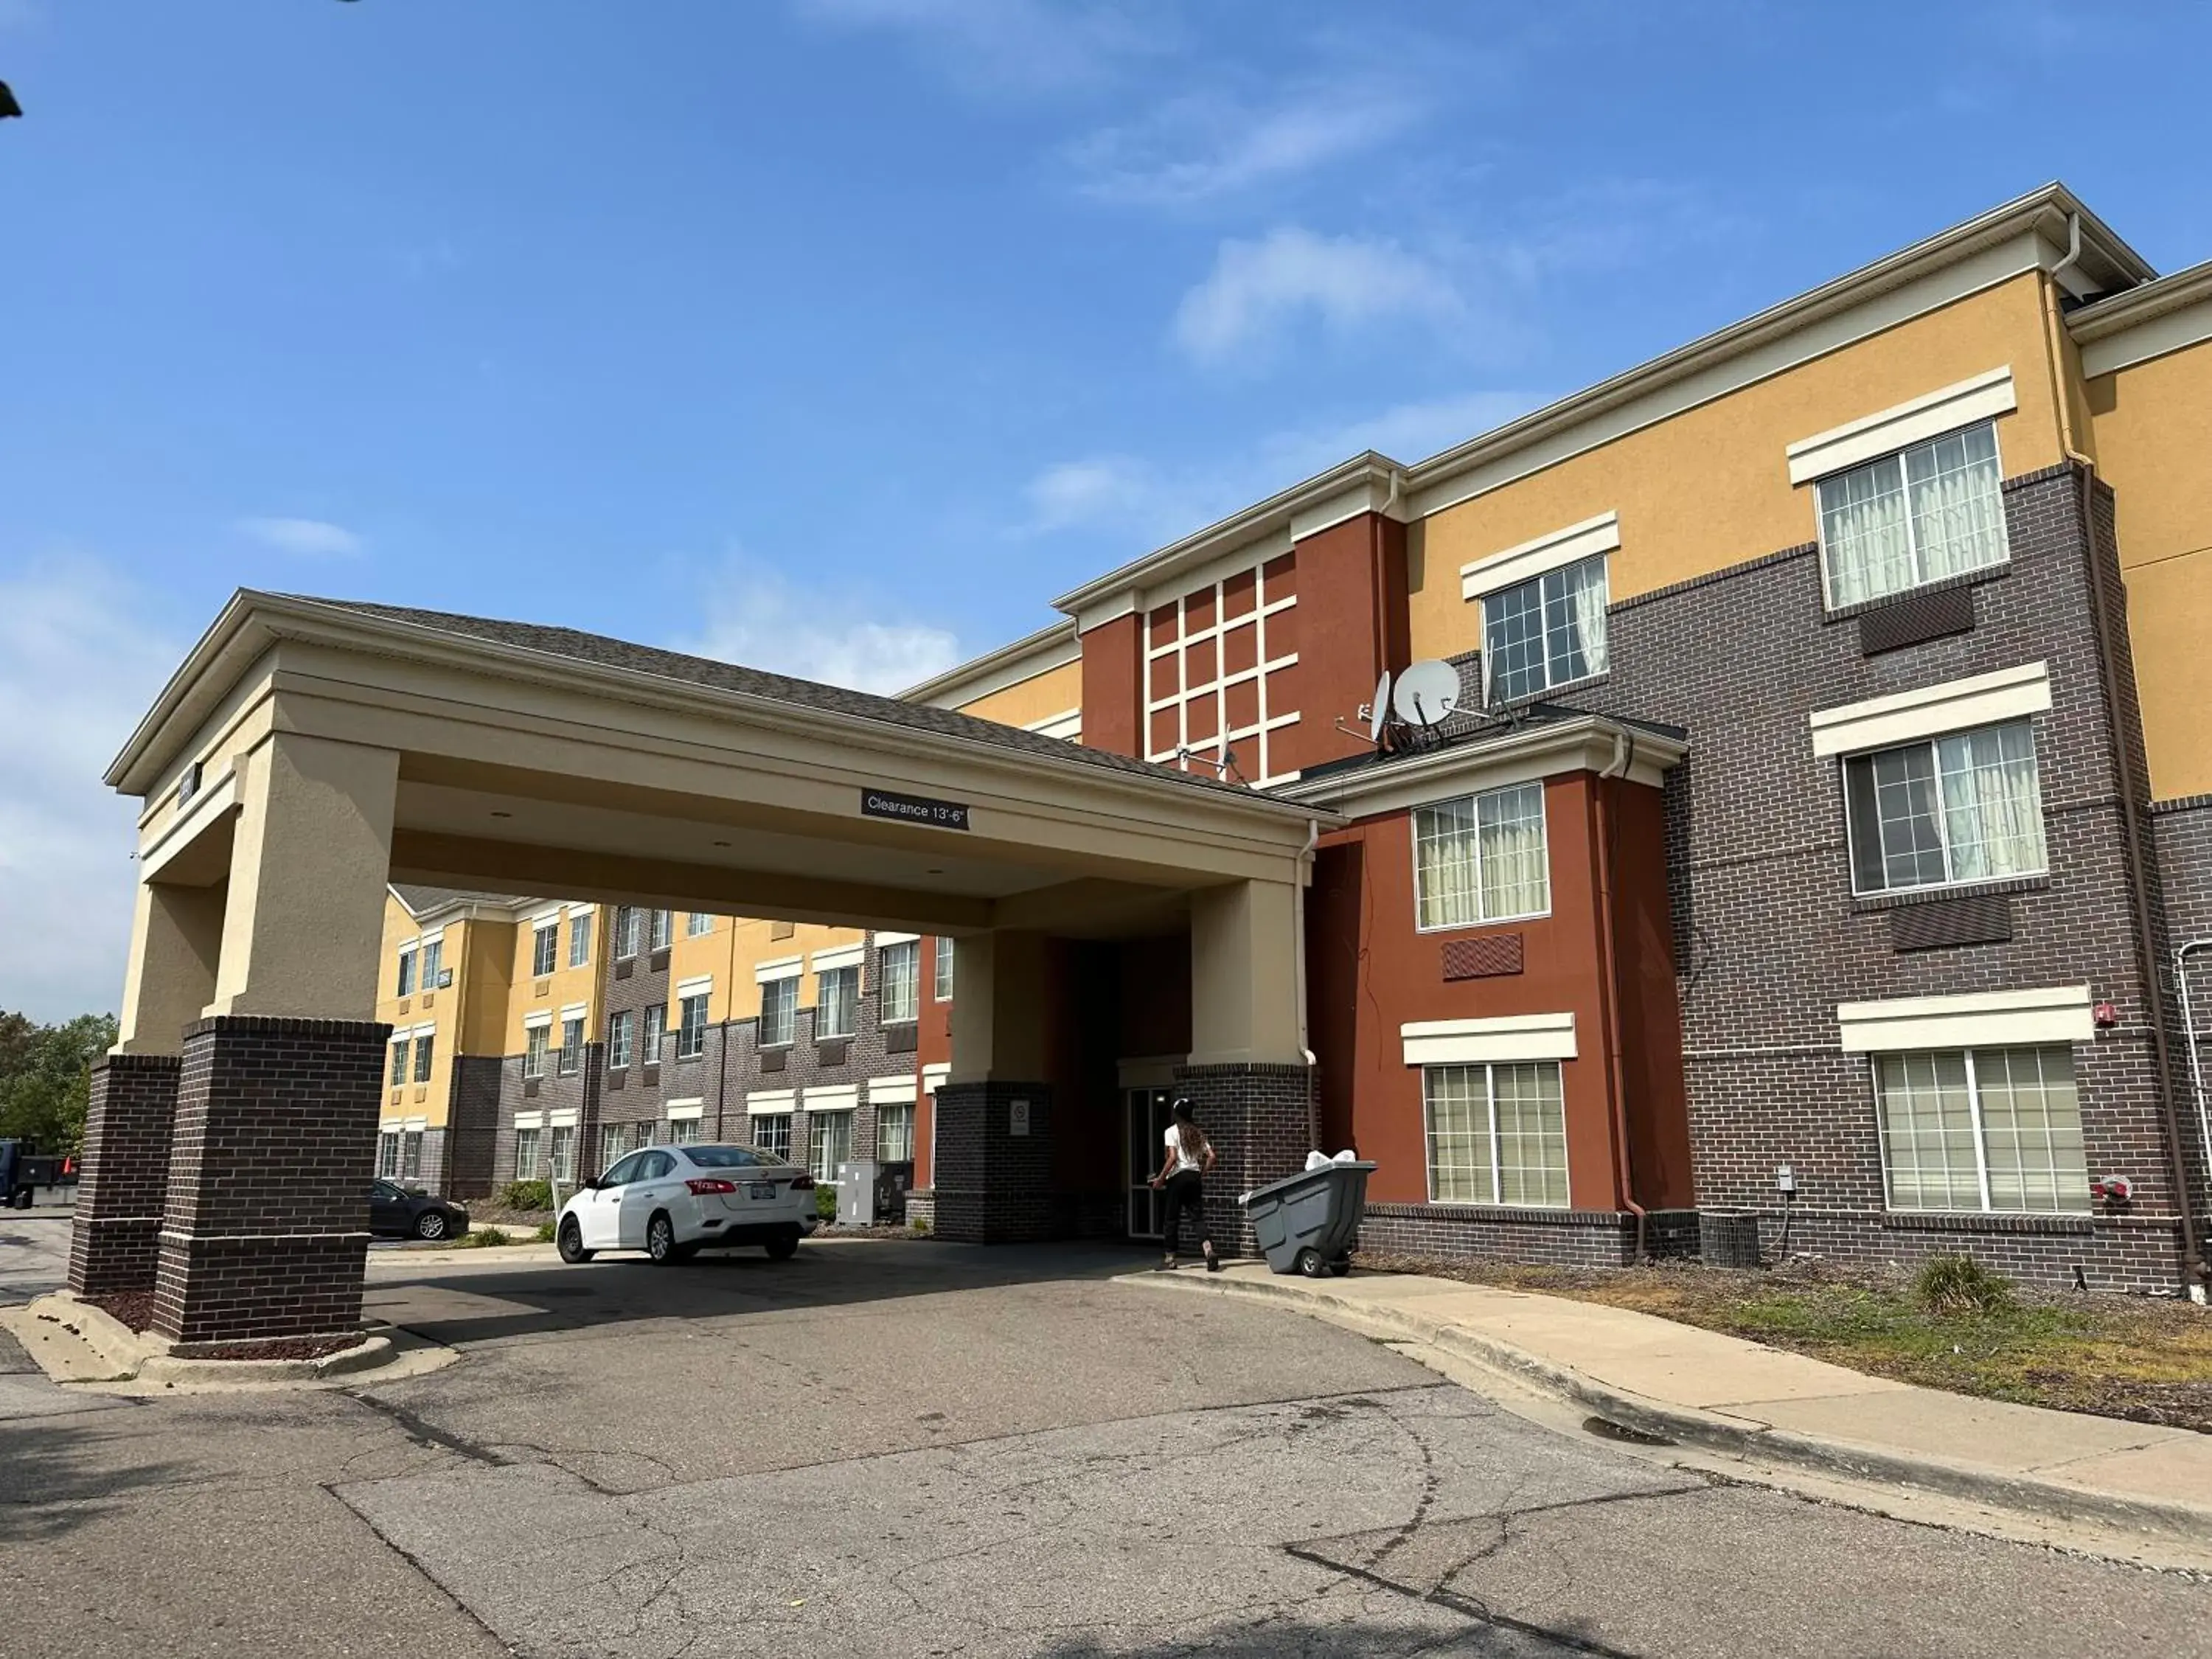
[[297, 1347], [2146, 1359], [134, 1308]]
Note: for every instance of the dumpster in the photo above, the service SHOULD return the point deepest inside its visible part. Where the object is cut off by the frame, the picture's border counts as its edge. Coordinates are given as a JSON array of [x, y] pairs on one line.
[[1306, 1221]]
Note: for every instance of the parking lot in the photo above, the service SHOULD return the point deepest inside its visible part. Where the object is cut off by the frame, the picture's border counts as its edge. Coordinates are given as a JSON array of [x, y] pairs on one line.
[[903, 1447]]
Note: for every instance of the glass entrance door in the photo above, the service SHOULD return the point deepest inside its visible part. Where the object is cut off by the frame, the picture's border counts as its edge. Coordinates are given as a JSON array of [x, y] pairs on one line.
[[1144, 1121]]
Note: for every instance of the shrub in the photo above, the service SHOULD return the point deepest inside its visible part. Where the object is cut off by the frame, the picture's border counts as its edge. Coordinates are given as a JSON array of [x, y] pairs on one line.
[[921, 1226], [481, 1238], [527, 1196], [546, 1235], [825, 1202], [1958, 1284]]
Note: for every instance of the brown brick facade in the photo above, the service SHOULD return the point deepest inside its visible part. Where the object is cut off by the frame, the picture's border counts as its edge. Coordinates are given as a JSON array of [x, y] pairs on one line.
[[1260, 1121], [993, 1186], [129, 1123]]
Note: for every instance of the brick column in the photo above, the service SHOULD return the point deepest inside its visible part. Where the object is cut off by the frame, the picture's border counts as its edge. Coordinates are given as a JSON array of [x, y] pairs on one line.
[[1260, 1120], [117, 1233], [993, 1186], [264, 1234]]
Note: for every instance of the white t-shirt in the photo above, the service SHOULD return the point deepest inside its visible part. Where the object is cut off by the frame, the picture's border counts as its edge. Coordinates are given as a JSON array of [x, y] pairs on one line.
[[1174, 1144]]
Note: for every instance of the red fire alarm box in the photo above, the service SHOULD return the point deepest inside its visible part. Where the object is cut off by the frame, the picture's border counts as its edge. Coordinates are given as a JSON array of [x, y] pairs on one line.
[[2105, 1014]]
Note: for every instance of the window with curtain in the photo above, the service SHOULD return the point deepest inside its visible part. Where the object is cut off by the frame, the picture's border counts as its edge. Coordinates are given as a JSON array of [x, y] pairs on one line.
[[544, 948], [433, 963], [652, 1027], [424, 1042], [612, 1139], [410, 1155], [894, 1135], [572, 1045], [771, 1133], [398, 1061], [683, 1131], [1482, 858], [829, 1143], [1982, 1129], [562, 1160], [691, 1027], [535, 1043], [618, 1039], [525, 1154], [664, 924], [387, 1154], [1544, 632], [943, 990], [1918, 516], [697, 922], [1962, 808], [579, 938], [779, 1012], [900, 967], [1497, 1135], [838, 1002], [405, 983]]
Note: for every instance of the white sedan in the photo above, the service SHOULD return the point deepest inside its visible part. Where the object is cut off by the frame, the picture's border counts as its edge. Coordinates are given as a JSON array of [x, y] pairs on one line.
[[672, 1202]]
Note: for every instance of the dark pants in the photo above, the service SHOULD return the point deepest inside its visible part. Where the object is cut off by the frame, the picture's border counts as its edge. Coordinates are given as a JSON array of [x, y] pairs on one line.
[[1185, 1191]]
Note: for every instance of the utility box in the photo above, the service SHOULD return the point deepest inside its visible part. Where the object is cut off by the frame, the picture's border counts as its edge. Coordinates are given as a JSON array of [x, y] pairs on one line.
[[856, 1194], [892, 1180]]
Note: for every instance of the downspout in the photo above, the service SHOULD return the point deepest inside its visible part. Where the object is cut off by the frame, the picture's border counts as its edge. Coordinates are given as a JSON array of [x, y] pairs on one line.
[[1298, 971], [2131, 821], [2189, 1035], [1624, 757]]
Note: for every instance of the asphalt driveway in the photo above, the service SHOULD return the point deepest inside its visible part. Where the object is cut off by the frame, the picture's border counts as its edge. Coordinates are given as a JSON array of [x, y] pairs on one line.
[[898, 1447]]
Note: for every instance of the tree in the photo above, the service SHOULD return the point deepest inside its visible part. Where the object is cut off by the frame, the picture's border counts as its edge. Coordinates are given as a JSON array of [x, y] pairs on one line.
[[46, 1076]]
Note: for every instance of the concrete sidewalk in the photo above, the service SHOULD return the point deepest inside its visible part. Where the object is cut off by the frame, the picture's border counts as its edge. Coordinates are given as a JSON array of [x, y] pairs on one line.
[[1701, 1388]]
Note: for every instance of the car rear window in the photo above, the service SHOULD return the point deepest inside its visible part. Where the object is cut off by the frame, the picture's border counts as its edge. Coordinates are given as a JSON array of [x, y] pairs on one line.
[[728, 1157]]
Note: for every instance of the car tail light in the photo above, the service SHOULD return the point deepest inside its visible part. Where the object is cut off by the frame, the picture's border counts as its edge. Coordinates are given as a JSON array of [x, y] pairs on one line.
[[704, 1185], [804, 1184]]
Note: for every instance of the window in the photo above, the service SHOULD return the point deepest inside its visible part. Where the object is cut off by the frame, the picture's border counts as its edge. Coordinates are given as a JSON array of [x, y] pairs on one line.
[[641, 1133], [544, 948], [696, 923], [618, 1032], [1926, 513], [900, 966], [387, 1154], [1982, 1129], [829, 1144], [628, 929], [572, 1044], [838, 1002], [433, 964], [580, 939], [562, 1163], [727, 1157], [779, 1012], [662, 922], [1498, 1134], [894, 1135], [683, 1131], [398, 1061], [425, 1041], [1548, 631], [611, 1146], [655, 1027], [772, 1135], [534, 1043], [406, 981], [1482, 858], [410, 1155], [944, 988], [691, 1027], [1965, 807], [525, 1154]]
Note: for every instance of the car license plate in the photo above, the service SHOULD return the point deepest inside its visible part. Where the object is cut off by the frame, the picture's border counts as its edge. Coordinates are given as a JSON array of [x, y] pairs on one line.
[[760, 1189]]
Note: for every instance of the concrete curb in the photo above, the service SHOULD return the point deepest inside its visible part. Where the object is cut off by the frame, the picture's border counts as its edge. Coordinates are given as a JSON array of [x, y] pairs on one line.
[[2026, 1494], [145, 1357]]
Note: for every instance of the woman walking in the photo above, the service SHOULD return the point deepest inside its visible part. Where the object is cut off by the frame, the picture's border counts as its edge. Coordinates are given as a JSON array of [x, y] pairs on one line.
[[1183, 1177]]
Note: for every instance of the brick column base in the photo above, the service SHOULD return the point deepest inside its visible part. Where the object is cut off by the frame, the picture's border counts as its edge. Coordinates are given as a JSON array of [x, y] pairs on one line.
[[991, 1186], [1259, 1119], [117, 1233], [265, 1232]]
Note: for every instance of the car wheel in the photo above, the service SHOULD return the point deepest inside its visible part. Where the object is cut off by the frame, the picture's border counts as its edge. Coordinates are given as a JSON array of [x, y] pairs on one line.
[[570, 1241], [661, 1239], [431, 1224], [783, 1247]]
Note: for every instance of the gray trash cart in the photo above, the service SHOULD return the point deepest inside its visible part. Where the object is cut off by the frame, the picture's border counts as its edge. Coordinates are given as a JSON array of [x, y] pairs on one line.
[[1306, 1222]]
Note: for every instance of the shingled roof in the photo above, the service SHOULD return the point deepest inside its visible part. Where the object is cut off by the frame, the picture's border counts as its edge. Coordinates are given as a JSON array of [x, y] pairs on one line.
[[598, 648]]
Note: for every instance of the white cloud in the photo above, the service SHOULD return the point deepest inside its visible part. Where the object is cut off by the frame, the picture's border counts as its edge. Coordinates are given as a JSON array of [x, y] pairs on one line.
[[756, 617], [1018, 48], [1257, 289], [1086, 491], [312, 538], [80, 661], [1193, 149]]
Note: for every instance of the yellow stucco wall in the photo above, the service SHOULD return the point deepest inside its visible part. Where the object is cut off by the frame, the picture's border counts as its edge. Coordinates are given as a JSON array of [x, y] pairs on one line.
[[1037, 698], [751, 944], [708, 953], [563, 985], [467, 1016], [1710, 486], [2152, 423]]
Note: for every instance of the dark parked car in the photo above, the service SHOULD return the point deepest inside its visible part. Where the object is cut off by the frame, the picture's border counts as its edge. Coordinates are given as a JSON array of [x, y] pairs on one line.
[[395, 1212]]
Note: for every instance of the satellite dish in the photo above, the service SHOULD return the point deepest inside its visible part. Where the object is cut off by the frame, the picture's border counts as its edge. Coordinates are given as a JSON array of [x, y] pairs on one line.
[[1379, 710], [1427, 692]]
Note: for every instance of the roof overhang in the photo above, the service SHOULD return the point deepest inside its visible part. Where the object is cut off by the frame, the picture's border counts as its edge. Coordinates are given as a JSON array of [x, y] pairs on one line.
[[1523, 754], [2145, 322]]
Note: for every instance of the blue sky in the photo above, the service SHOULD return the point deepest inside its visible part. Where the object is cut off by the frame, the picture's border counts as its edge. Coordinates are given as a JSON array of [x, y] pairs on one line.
[[837, 336]]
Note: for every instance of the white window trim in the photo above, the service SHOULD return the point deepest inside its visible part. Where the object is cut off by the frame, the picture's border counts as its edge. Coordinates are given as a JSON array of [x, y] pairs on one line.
[[536, 1017], [782, 968], [932, 1075], [1503, 1037], [1553, 550], [684, 1111], [563, 1119], [835, 1097], [1967, 403], [1413, 853], [698, 985], [425, 1030], [1933, 711], [1981, 1154], [574, 1010], [1497, 1200], [436, 936], [883, 940], [530, 1119], [838, 956], [767, 1103], [2041, 1017], [892, 1091]]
